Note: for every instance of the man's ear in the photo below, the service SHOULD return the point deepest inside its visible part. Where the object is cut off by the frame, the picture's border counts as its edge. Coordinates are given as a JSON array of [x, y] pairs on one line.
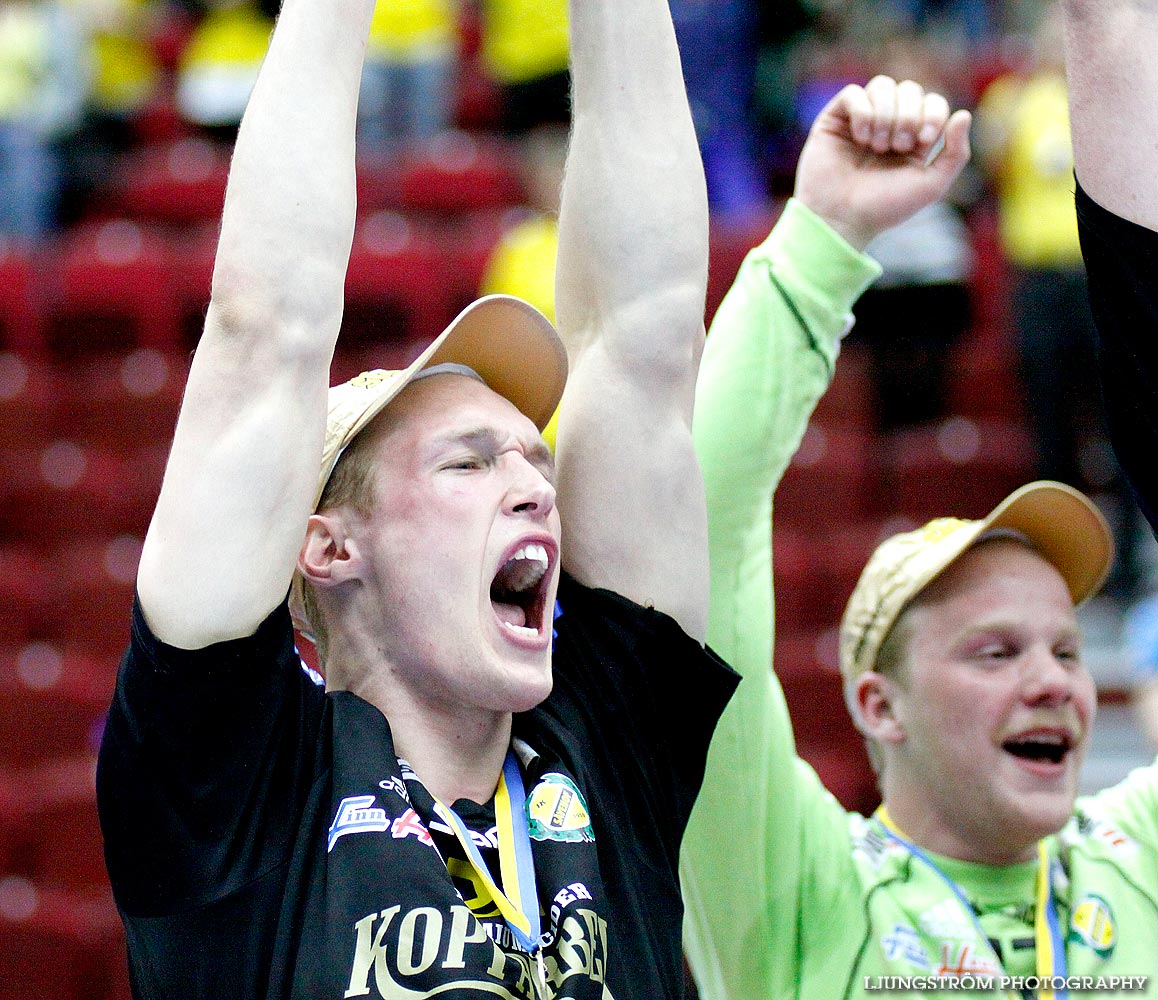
[[328, 555], [879, 704]]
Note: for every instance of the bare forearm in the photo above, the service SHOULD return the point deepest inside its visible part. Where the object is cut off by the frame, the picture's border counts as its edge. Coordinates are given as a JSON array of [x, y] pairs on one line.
[[1112, 71], [289, 212], [633, 226]]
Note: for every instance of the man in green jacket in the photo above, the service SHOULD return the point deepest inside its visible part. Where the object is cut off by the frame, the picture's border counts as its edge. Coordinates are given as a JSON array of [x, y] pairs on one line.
[[981, 864]]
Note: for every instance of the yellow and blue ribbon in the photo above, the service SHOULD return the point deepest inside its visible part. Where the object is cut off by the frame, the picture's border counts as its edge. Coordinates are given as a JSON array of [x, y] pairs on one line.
[[519, 905]]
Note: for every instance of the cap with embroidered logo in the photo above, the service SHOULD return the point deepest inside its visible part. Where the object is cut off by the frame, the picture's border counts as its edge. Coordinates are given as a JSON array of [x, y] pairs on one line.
[[1061, 523]]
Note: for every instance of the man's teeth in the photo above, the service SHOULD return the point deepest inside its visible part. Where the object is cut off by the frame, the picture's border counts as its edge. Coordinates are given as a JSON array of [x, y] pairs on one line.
[[526, 567], [533, 551], [522, 629]]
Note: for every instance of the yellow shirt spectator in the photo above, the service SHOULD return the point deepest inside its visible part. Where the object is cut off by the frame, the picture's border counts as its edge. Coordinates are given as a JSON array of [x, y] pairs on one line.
[[524, 39]]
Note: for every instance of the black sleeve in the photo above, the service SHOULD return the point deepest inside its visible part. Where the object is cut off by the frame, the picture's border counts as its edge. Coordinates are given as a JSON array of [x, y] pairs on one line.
[[1122, 262], [646, 695], [206, 758]]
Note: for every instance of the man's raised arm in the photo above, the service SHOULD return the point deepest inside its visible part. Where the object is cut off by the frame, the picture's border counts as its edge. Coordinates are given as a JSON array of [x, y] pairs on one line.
[[223, 542], [770, 354], [631, 280], [1112, 74]]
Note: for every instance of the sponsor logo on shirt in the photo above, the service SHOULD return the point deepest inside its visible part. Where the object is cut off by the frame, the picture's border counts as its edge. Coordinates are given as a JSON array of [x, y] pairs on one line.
[[1092, 924], [904, 944], [396, 785], [409, 824], [556, 811], [357, 814], [947, 920], [966, 960], [424, 950]]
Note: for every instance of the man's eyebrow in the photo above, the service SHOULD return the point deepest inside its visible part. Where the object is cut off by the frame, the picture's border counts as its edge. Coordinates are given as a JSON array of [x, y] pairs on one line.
[[486, 439], [539, 454], [483, 438]]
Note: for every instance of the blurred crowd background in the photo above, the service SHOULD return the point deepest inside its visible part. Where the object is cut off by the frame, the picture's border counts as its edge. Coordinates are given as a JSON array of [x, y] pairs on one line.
[[969, 371]]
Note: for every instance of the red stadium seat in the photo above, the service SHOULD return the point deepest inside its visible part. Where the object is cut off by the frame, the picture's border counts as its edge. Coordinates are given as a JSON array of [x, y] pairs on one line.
[[52, 702], [985, 385], [960, 467], [24, 594], [54, 946], [21, 303], [377, 184], [397, 285], [67, 489], [816, 570], [468, 245], [94, 579], [459, 172], [831, 480], [27, 398], [729, 245], [127, 400], [58, 843], [178, 182], [848, 401], [825, 735], [113, 289]]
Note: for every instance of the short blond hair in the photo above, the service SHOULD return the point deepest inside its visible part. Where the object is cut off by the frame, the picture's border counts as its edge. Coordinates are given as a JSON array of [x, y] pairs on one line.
[[351, 485]]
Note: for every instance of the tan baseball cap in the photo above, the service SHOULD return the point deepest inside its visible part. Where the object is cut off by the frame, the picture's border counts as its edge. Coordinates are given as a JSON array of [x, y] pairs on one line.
[[1062, 524], [507, 342]]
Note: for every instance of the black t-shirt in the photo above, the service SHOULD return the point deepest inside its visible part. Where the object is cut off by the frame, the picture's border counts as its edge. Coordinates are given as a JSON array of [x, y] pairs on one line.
[[263, 840], [1122, 263]]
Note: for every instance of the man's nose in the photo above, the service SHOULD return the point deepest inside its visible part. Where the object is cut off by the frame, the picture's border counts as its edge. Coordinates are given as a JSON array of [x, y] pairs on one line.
[[531, 492], [1048, 679]]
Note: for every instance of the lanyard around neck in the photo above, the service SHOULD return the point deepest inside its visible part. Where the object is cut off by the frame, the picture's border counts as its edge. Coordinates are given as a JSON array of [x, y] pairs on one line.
[[1050, 954], [519, 905]]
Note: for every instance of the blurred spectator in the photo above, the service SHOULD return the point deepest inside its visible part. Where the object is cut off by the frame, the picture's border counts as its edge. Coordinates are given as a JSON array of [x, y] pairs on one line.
[[409, 74], [125, 69], [44, 81], [915, 313], [126, 76], [718, 47], [1023, 137], [219, 64], [920, 307], [966, 22], [524, 49]]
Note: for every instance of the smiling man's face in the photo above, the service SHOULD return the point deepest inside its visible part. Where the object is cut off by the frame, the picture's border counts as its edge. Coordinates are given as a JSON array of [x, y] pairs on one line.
[[994, 705]]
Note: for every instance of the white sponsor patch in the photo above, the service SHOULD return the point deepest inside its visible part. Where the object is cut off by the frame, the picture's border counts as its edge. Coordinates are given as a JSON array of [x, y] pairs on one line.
[[357, 814]]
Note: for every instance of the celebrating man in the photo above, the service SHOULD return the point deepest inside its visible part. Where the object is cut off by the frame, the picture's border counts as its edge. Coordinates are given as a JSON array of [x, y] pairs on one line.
[[464, 810]]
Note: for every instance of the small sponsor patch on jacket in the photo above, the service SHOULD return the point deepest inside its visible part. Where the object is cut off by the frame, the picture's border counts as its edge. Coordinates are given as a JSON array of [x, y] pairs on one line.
[[904, 944], [357, 814], [1092, 924], [556, 811]]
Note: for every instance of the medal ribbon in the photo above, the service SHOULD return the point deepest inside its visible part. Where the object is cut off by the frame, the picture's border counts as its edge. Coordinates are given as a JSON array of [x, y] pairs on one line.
[[1049, 948], [520, 904]]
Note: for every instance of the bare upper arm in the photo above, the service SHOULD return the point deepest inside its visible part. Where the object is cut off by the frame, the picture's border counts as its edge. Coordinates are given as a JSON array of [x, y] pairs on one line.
[[1112, 72], [224, 537]]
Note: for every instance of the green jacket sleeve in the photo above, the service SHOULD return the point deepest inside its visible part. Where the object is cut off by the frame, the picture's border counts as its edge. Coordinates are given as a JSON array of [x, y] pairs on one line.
[[768, 358]]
